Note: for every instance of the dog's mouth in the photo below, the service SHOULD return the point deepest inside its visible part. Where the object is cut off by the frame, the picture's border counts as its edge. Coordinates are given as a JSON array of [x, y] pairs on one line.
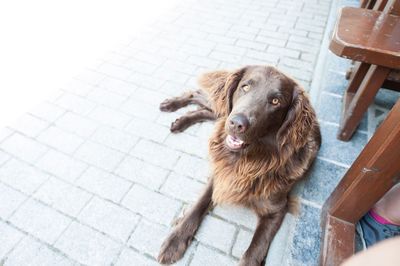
[[234, 143]]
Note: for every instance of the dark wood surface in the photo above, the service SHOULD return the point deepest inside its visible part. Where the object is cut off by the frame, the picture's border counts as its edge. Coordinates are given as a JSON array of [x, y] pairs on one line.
[[373, 173], [369, 36]]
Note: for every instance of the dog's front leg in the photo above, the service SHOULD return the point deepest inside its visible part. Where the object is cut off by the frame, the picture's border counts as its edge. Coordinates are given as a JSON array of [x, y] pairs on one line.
[[177, 242], [267, 227]]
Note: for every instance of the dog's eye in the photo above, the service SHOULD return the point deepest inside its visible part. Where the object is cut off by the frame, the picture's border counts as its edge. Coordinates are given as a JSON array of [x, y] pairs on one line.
[[246, 88], [275, 101]]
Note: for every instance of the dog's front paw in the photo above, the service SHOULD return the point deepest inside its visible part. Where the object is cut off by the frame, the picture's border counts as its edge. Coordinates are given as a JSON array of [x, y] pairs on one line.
[[173, 248], [248, 261], [169, 105]]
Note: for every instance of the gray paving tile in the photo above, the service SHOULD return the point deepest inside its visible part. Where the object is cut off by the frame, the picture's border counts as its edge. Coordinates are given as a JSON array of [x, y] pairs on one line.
[[149, 204], [129, 257], [306, 241], [103, 184], [148, 237], [207, 256], [60, 139], [77, 124], [10, 200], [182, 188], [40, 221], [109, 218], [32, 252], [216, 233], [138, 171], [9, 238], [62, 196], [29, 125], [23, 147], [99, 155], [22, 176], [155, 153], [321, 180], [342, 152], [61, 165], [87, 246]]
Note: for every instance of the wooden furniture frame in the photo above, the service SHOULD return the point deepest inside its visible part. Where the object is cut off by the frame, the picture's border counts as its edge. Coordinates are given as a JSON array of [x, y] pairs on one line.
[[376, 46], [373, 173]]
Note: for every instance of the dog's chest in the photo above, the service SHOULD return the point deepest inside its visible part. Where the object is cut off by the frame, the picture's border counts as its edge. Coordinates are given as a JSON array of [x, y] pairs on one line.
[[233, 189]]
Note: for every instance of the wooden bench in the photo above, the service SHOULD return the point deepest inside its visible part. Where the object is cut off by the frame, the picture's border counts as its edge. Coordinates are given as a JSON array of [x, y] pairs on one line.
[[373, 173], [373, 38]]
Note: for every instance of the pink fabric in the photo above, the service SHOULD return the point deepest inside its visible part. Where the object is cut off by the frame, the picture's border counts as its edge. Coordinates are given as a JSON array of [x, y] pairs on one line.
[[380, 219]]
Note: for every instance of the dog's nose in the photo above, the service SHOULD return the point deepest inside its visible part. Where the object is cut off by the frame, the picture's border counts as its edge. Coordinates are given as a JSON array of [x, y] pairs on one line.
[[239, 123]]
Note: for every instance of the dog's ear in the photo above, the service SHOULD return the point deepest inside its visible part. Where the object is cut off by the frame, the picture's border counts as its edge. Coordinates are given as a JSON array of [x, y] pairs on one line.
[[299, 121], [221, 85]]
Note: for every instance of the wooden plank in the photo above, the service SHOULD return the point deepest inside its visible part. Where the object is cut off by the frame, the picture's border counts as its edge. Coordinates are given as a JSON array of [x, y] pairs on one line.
[[338, 241]]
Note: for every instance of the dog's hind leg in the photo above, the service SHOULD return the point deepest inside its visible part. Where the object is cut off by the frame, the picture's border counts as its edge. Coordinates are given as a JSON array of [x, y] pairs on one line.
[[190, 97], [175, 245], [191, 118]]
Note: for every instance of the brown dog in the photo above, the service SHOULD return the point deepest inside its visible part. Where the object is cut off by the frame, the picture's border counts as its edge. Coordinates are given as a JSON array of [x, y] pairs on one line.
[[265, 139]]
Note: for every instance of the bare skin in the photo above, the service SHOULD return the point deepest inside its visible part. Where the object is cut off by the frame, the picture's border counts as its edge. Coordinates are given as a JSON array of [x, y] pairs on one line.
[[384, 253], [389, 205]]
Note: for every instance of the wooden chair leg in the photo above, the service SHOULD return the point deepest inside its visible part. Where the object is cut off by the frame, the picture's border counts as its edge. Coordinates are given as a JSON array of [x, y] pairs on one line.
[[374, 172], [356, 101]]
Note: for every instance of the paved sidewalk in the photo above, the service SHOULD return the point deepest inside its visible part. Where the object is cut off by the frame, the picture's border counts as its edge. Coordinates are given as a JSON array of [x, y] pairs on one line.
[[93, 176]]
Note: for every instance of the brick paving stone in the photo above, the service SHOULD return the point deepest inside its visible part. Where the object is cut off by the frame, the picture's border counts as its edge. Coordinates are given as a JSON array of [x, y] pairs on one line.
[[130, 257], [118, 86], [63, 196], [216, 233], [182, 188], [29, 125], [10, 200], [109, 218], [140, 110], [61, 165], [104, 184], [60, 140], [34, 253], [78, 87], [115, 71], [138, 171], [109, 117], [23, 147], [5, 133], [4, 157], [99, 155], [237, 215], [155, 153], [207, 256], [148, 130], [114, 138], [79, 125], [76, 104], [9, 237], [189, 144], [194, 167], [149, 203], [87, 246], [22, 176], [40, 221], [148, 237], [90, 76], [47, 111], [107, 98], [242, 242]]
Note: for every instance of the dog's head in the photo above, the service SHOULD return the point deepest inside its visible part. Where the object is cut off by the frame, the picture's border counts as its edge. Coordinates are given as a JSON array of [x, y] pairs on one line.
[[263, 105]]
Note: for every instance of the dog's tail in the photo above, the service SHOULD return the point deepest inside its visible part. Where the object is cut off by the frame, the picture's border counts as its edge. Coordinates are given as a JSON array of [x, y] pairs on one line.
[[293, 205]]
